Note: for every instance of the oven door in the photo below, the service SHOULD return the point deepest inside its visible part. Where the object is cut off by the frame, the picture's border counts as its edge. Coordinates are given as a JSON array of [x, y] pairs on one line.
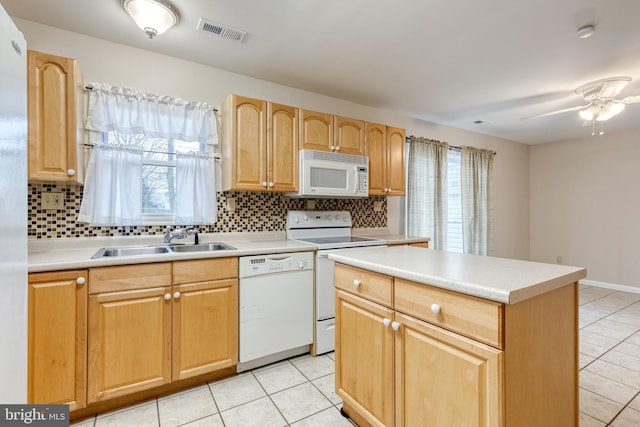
[[325, 292]]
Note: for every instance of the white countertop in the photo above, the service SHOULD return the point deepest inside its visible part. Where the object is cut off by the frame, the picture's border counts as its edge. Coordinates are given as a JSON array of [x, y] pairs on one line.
[[392, 239], [66, 254], [76, 253], [498, 279]]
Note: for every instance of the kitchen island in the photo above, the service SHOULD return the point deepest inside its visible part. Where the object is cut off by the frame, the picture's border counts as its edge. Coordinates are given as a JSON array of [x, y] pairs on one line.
[[427, 337]]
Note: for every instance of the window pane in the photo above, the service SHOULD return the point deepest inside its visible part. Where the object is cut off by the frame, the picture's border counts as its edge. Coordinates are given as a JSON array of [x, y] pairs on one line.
[[158, 189]]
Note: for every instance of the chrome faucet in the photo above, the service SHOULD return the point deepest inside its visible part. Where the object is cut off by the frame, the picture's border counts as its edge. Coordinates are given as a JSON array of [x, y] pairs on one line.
[[180, 233]]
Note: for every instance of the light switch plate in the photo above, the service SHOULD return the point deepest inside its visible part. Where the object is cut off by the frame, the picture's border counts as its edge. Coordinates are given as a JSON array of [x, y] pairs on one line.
[[52, 201], [311, 204], [377, 206], [231, 204]]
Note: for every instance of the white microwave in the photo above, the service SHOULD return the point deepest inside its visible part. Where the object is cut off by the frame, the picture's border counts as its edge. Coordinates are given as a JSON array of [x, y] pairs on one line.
[[328, 175]]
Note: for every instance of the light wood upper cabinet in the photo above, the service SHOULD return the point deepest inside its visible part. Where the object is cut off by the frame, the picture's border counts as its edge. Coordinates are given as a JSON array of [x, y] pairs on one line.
[[376, 138], [386, 151], [282, 148], [349, 136], [55, 111], [57, 321], [316, 131], [259, 145]]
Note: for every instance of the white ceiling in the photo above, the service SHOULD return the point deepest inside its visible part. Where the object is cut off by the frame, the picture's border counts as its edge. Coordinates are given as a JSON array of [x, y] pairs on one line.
[[450, 62]]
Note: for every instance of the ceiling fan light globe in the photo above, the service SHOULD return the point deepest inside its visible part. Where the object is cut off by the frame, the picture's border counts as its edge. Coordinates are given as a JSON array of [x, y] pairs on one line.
[[616, 108], [586, 114]]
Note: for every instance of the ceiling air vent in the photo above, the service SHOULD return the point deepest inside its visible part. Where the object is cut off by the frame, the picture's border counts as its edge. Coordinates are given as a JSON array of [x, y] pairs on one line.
[[221, 30]]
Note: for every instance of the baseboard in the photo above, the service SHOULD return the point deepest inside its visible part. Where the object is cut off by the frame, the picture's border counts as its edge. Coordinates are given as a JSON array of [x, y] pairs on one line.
[[614, 286]]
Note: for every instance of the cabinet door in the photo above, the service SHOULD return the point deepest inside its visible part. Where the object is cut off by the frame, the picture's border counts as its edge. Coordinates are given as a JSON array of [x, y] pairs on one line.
[[444, 379], [282, 151], [205, 327], [395, 175], [129, 342], [316, 131], [58, 338], [245, 143], [53, 106], [349, 134], [364, 358], [376, 141]]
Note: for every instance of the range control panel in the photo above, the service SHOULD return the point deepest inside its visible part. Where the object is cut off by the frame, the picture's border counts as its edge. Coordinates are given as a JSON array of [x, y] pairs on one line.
[[318, 219]]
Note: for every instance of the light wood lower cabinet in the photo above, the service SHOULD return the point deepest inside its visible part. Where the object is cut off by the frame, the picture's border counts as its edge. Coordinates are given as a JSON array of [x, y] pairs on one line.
[[167, 329], [364, 358], [57, 338], [444, 379], [422, 357]]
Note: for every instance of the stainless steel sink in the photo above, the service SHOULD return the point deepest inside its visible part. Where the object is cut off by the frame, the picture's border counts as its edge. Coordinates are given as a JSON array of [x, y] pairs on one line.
[[152, 250], [216, 246], [130, 250]]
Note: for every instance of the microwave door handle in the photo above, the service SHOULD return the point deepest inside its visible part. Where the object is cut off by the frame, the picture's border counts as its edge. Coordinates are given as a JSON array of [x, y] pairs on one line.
[[355, 181]]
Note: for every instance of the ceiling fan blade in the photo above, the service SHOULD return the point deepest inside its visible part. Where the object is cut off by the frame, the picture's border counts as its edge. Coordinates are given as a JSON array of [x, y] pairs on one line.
[[552, 113], [613, 87], [631, 100]]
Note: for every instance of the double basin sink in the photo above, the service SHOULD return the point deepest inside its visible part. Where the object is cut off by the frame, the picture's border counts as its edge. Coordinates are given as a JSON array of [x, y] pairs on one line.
[[152, 250]]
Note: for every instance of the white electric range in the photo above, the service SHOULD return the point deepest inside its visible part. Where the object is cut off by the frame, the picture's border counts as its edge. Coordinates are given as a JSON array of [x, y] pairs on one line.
[[329, 231]]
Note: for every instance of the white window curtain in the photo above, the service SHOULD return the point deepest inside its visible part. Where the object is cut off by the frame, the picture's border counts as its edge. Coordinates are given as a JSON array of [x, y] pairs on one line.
[[427, 190], [113, 186], [112, 194], [195, 189], [477, 204], [131, 111]]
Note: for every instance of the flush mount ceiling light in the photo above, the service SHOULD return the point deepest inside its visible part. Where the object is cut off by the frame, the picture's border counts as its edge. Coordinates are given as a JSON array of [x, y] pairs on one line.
[[152, 16]]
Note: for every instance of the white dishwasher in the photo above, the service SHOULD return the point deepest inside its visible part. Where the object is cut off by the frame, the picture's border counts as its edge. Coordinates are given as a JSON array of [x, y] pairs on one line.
[[276, 307]]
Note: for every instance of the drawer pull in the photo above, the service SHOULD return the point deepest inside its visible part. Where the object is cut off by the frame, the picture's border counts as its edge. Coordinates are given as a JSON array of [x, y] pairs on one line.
[[176, 295], [167, 297], [386, 322], [395, 326], [435, 308], [356, 283], [80, 280]]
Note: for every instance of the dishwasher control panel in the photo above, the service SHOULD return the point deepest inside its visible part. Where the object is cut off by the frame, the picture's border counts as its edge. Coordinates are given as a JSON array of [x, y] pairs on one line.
[[275, 263]]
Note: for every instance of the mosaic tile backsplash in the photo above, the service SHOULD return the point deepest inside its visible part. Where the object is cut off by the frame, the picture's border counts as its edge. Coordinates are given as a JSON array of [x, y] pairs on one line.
[[255, 212]]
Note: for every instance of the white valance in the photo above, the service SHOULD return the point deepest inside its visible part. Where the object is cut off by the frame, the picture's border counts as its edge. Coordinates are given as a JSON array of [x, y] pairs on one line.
[[131, 111]]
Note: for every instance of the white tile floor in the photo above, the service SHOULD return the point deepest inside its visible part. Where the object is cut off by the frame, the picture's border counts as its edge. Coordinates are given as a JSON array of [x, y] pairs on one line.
[[299, 392]]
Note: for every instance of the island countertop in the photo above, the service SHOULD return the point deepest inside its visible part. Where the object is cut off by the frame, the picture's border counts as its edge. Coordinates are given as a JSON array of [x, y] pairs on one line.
[[502, 280]]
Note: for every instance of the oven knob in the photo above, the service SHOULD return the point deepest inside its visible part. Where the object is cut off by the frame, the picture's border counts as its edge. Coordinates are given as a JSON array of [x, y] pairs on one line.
[[345, 219], [329, 217], [296, 220], [306, 218], [337, 217], [301, 265]]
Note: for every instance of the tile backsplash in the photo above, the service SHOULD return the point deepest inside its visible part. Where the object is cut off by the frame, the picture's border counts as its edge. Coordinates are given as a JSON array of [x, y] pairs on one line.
[[254, 212]]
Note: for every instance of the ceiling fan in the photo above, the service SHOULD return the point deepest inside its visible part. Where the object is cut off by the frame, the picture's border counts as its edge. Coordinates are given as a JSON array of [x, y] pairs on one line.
[[600, 97]]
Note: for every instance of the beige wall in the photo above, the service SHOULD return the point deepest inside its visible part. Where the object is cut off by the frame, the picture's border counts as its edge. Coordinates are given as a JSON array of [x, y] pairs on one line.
[[116, 64], [585, 205]]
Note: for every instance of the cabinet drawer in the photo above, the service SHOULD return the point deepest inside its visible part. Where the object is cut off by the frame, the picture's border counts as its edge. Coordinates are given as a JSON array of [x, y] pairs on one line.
[[128, 277], [367, 284], [203, 270], [470, 316]]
